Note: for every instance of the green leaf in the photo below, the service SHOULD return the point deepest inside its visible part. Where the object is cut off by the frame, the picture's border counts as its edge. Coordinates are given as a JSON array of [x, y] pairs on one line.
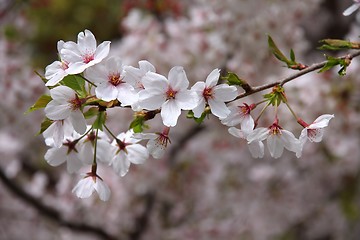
[[40, 103], [332, 62], [233, 79], [76, 83], [276, 51], [93, 111], [335, 44], [199, 120], [45, 125], [292, 55], [100, 120], [138, 124]]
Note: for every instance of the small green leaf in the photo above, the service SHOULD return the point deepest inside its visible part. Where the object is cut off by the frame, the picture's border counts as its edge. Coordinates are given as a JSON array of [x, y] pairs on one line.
[[276, 51], [335, 44], [76, 83], [40, 103], [199, 120], [233, 79], [292, 55], [100, 120], [138, 124], [93, 111], [45, 125]]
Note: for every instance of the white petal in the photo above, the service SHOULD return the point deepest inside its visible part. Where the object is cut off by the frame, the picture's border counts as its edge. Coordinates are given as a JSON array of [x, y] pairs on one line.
[[199, 109], [315, 135], [126, 94], [236, 132], [218, 108], [275, 146], [290, 142], [78, 121], [56, 111], [247, 124], [73, 163], [105, 151], [170, 113], [87, 153], [155, 149], [102, 189], [187, 99], [102, 51], [258, 134], [84, 188], [106, 92], [351, 9], [155, 83], [198, 87], [177, 78], [86, 41], [56, 156], [76, 68], [256, 149], [149, 101], [137, 153], [121, 164], [224, 92], [146, 66], [213, 78], [322, 121], [62, 94]]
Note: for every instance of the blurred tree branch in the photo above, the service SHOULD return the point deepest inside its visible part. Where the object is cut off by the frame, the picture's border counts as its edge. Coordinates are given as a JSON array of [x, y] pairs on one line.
[[49, 212]]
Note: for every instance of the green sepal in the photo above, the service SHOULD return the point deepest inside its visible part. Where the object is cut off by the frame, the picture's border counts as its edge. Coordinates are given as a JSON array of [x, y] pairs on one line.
[[75, 82], [100, 120], [332, 62], [40, 103], [44, 125], [138, 124], [277, 96], [93, 111], [199, 120]]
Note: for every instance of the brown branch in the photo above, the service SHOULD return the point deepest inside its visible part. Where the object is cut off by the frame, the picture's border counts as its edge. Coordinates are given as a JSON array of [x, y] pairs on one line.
[[309, 69], [49, 212]]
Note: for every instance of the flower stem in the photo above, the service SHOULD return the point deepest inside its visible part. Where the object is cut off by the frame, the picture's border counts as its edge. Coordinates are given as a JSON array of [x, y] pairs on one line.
[[261, 113], [95, 146], [86, 80], [292, 111], [107, 129]]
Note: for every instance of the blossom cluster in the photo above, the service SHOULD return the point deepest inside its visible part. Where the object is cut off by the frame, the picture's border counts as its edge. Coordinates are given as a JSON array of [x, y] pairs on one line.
[[86, 81]]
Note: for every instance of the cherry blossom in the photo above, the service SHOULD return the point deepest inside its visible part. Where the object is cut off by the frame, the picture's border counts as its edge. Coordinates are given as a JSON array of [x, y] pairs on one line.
[[134, 75], [68, 153], [66, 104], [240, 115], [84, 53], [157, 142], [350, 10], [90, 183], [126, 150], [256, 148], [315, 131], [214, 95], [277, 140], [171, 95], [109, 78], [56, 71]]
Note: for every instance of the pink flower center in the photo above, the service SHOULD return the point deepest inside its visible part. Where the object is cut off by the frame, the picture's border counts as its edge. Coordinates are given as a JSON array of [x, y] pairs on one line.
[[64, 65], [170, 93], [115, 79], [75, 103], [163, 140], [208, 93], [312, 133], [88, 57], [275, 129]]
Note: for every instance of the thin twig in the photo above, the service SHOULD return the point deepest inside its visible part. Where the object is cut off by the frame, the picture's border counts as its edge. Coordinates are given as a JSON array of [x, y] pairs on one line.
[[309, 69]]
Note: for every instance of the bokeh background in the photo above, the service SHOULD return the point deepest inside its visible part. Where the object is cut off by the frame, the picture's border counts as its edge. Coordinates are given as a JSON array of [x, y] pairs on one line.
[[207, 186]]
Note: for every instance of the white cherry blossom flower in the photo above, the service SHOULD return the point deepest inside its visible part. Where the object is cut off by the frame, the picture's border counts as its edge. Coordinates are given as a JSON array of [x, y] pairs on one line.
[[56, 71], [240, 115], [90, 183], [65, 104], [68, 152], [57, 132], [277, 140], [134, 75], [84, 53], [126, 150], [315, 131], [157, 142], [214, 95], [171, 95], [350, 10], [109, 78]]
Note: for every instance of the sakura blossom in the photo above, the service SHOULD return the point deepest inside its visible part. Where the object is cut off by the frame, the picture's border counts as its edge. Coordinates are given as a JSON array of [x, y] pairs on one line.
[[84, 53], [277, 140], [315, 131], [90, 183], [157, 142], [240, 115], [58, 131], [256, 148], [171, 95], [214, 95], [65, 104], [110, 84], [56, 71], [350, 10], [126, 150], [68, 152]]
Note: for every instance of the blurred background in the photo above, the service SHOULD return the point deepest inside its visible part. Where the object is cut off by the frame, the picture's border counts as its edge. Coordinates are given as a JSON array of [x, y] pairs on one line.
[[207, 186]]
